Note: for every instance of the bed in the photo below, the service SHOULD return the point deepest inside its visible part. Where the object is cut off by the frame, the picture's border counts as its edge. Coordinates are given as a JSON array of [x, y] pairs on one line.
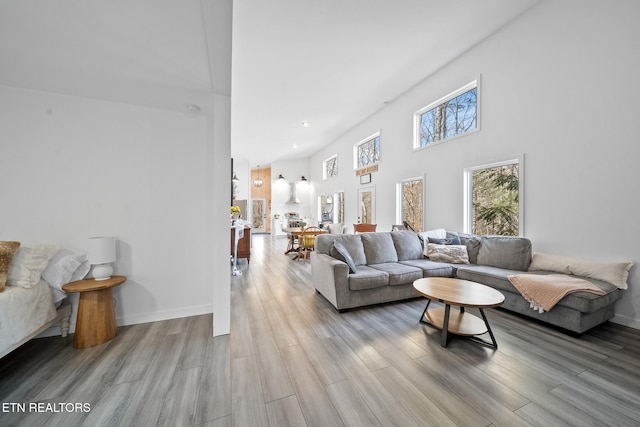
[[31, 296]]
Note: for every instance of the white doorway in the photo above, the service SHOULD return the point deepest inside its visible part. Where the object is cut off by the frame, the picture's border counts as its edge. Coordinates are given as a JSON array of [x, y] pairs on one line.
[[259, 215], [367, 205]]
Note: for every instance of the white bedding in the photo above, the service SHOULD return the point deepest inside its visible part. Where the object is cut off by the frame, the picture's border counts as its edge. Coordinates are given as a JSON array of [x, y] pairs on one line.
[[23, 311]]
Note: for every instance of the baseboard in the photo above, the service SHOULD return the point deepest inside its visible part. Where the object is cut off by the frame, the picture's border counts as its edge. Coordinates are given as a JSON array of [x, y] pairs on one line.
[[141, 318], [164, 315], [626, 321]]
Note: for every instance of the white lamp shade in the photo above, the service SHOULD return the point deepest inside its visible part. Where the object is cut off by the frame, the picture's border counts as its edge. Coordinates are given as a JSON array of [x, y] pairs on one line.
[[102, 250]]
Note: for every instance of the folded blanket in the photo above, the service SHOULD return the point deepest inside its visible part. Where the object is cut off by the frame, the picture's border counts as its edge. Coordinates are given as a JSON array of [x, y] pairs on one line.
[[544, 291]]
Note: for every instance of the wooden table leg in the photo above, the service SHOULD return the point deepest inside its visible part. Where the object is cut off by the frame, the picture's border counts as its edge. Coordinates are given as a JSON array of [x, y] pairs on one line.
[[96, 323]]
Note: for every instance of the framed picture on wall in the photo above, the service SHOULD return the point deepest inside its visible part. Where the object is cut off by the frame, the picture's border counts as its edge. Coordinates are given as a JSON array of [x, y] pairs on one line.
[[365, 178]]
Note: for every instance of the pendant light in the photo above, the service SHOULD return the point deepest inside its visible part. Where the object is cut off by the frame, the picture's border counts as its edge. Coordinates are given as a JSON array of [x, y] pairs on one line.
[[258, 181]]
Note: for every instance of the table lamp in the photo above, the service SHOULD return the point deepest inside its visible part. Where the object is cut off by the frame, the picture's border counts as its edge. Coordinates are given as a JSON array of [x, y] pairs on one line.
[[102, 252]]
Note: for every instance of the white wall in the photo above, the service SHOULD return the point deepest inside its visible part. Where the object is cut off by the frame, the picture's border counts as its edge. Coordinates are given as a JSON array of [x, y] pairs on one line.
[[560, 85], [292, 171], [74, 167]]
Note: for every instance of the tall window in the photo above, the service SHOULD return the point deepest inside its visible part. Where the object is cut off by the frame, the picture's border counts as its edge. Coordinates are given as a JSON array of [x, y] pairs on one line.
[[367, 152], [450, 116], [494, 199], [330, 167], [411, 202]]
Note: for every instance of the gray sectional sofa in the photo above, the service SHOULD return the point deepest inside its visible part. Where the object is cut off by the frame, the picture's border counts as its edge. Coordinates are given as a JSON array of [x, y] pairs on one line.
[[387, 263]]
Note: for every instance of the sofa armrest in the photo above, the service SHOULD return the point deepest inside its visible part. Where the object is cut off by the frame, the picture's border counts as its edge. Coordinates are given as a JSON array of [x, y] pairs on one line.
[[329, 276]]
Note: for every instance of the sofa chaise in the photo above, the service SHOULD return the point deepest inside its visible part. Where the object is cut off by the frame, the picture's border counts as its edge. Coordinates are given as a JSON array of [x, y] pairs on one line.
[[381, 267]]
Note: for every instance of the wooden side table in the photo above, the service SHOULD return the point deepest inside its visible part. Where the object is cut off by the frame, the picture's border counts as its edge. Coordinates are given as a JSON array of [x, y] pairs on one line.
[[96, 322]]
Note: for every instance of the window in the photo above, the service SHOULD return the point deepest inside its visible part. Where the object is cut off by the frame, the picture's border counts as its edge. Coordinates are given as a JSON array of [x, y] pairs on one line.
[[367, 152], [493, 199], [410, 206], [330, 167], [448, 117]]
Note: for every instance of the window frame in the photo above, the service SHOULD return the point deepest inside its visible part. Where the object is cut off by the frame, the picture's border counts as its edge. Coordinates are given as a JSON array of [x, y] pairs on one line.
[[468, 191], [417, 115], [325, 172], [399, 193], [356, 146]]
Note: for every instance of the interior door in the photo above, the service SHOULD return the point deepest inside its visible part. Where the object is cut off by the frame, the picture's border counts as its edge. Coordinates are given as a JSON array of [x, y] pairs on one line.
[[367, 205], [259, 215]]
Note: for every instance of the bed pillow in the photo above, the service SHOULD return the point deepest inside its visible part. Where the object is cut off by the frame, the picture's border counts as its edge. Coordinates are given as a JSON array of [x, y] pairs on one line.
[[61, 267], [28, 264], [81, 272], [454, 254], [7, 252]]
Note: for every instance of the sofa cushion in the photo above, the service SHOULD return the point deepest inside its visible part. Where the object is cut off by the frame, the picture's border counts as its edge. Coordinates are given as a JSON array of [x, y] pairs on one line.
[[431, 268], [407, 244], [368, 278], [399, 274], [338, 251], [473, 244], [512, 253], [378, 248], [324, 243], [584, 302]]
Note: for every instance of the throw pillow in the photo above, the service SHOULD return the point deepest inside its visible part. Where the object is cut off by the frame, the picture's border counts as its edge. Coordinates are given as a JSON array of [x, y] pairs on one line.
[[473, 246], [62, 266], [7, 251], [615, 273], [338, 251], [508, 252], [454, 254], [453, 240], [28, 264]]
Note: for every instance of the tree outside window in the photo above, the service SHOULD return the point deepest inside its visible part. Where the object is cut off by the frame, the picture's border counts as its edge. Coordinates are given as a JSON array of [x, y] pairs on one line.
[[450, 116], [368, 152], [331, 167], [495, 204], [411, 200]]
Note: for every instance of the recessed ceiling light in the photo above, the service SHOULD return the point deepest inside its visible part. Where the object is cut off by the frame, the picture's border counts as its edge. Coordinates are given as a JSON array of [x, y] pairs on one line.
[[306, 124], [295, 145]]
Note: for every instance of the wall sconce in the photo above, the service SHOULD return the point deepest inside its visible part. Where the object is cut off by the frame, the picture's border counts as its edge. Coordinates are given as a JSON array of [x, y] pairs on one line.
[[303, 179], [280, 177]]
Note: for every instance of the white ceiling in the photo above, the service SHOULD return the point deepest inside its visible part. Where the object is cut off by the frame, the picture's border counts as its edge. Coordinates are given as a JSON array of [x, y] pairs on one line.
[[329, 62]]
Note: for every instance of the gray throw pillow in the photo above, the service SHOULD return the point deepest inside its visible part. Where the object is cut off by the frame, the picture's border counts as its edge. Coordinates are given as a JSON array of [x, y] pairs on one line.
[[509, 252], [453, 240], [338, 251]]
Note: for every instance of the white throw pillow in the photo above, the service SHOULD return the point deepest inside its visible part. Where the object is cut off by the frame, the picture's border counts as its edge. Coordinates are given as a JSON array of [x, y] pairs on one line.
[[454, 254], [439, 233], [28, 264], [615, 273], [62, 266]]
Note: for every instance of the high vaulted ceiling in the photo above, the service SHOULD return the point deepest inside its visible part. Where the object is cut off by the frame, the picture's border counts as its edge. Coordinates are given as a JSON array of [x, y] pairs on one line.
[[335, 62], [331, 62]]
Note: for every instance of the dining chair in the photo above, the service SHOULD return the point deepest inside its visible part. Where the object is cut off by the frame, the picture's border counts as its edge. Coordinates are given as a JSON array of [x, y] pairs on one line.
[[364, 228], [307, 242]]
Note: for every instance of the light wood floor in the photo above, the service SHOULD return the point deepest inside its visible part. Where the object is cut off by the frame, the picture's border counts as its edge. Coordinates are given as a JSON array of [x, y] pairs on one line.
[[292, 360]]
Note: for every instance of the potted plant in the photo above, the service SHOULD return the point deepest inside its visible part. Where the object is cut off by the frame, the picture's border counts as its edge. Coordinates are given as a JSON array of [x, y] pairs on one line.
[[235, 212]]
